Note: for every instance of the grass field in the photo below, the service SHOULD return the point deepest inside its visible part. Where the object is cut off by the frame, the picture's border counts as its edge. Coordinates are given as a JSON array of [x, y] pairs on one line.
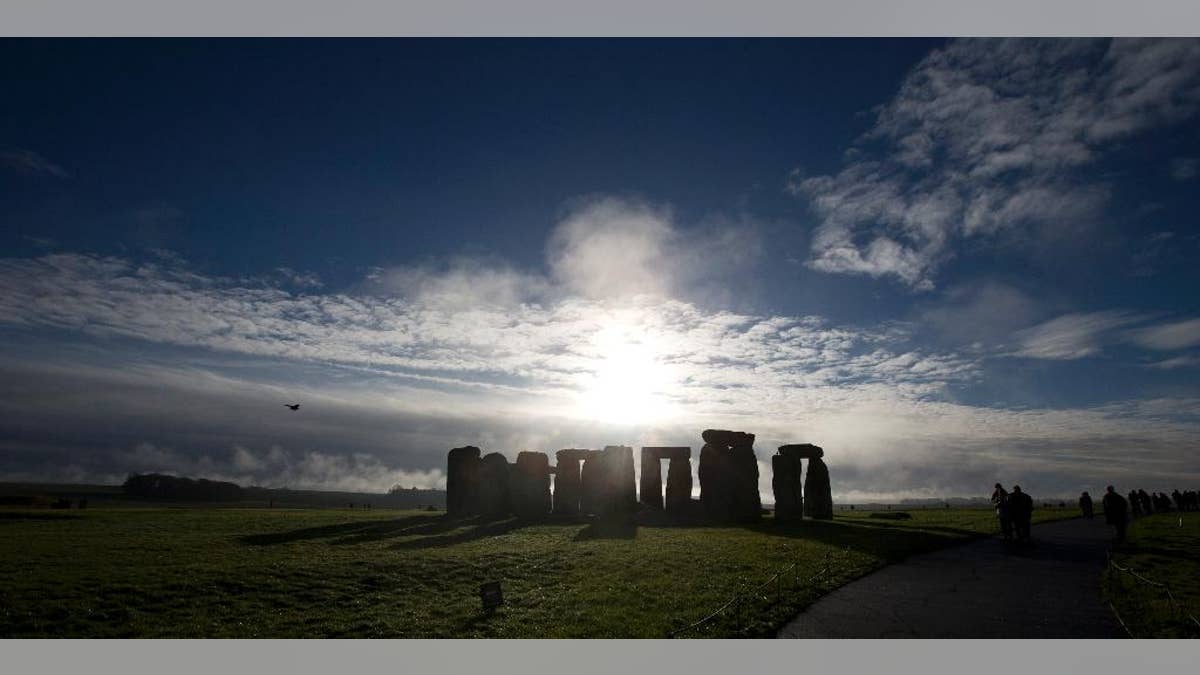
[[191, 572], [1164, 549]]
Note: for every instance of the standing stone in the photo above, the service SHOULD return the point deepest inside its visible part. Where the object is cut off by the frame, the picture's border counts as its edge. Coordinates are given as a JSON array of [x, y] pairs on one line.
[[651, 493], [529, 485], [568, 481], [462, 481], [494, 499], [714, 492], [818, 497], [590, 478], [745, 502], [785, 481], [618, 489], [679, 484]]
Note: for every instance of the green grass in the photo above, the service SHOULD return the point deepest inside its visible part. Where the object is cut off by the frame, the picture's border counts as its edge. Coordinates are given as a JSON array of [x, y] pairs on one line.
[[306, 573], [1164, 548]]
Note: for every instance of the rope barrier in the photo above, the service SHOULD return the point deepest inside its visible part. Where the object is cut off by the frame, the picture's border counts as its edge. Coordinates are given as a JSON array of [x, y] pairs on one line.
[[736, 600], [1150, 582]]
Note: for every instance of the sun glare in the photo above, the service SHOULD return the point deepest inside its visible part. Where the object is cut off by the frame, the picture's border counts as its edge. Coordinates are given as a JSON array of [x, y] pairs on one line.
[[629, 383]]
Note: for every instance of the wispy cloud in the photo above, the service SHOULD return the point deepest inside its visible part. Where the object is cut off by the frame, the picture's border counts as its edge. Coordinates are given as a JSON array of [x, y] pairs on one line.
[[31, 163], [1073, 336], [988, 136]]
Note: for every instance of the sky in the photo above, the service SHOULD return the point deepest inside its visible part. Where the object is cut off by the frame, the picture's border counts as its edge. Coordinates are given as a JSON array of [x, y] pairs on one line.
[[947, 262]]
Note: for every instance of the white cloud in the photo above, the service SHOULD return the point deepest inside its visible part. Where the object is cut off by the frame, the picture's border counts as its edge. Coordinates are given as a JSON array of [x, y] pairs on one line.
[[1072, 336], [1178, 335], [986, 136]]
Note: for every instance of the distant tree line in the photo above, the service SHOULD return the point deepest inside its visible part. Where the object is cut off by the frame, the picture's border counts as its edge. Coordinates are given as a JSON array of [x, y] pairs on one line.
[[160, 486], [177, 488]]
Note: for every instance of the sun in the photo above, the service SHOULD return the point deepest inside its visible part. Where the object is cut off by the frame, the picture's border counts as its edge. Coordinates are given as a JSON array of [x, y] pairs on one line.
[[630, 382]]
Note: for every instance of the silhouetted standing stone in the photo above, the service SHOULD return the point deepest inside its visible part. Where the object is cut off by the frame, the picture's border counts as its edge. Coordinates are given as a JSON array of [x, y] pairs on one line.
[[785, 481], [651, 493], [493, 486], [818, 497], [529, 485], [745, 502], [462, 481], [679, 479], [618, 489], [729, 475], [714, 490], [568, 482], [591, 476]]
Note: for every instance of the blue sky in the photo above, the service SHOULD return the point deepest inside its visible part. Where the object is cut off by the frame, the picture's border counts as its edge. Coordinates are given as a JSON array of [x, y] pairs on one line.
[[948, 262]]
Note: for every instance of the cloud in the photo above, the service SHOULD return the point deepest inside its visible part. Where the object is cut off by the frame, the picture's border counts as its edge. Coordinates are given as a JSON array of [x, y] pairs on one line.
[[1079, 335], [1178, 335], [1177, 362], [1072, 336], [986, 137], [1184, 168], [300, 279], [31, 163]]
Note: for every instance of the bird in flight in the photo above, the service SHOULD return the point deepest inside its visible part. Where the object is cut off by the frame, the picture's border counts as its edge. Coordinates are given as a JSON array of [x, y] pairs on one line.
[[293, 406]]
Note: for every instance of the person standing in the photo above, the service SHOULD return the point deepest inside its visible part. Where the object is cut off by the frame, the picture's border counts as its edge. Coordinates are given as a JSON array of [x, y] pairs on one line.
[[1116, 512], [1020, 509], [1000, 502], [1085, 504]]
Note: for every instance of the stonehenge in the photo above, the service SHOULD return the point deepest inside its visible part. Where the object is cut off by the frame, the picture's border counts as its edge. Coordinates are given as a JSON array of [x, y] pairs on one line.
[[568, 480], [602, 483], [792, 501], [462, 481], [529, 485], [679, 478], [819, 503], [729, 476]]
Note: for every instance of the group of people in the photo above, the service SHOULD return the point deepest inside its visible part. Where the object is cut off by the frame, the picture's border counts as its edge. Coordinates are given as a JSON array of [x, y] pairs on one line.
[[1117, 508], [1014, 510]]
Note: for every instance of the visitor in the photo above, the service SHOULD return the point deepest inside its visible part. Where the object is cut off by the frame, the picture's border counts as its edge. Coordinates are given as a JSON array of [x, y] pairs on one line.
[[1020, 510], [1085, 504], [1116, 511], [1000, 502], [1136, 503]]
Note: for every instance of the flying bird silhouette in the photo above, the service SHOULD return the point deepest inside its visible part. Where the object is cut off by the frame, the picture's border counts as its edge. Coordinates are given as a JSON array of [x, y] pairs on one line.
[[293, 406]]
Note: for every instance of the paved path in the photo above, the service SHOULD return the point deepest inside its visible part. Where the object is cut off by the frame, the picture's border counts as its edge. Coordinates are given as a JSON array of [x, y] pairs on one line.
[[978, 590]]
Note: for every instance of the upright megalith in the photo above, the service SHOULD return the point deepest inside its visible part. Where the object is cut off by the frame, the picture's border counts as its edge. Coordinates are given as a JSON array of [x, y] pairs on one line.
[[568, 481], [462, 481], [591, 476], [493, 486], [618, 490], [651, 492], [785, 482], [729, 475], [679, 477], [818, 496], [529, 485]]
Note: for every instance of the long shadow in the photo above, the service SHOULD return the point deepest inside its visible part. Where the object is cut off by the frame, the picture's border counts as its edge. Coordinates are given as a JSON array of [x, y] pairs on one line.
[[481, 530], [888, 542], [20, 515], [357, 532], [600, 529]]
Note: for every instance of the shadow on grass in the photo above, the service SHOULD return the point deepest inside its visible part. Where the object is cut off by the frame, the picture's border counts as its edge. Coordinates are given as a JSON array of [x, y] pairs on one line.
[[481, 529], [882, 540], [601, 529], [19, 515], [347, 533]]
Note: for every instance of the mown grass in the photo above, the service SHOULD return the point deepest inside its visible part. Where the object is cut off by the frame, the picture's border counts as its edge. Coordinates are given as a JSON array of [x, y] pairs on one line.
[[337, 573], [1163, 548]]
